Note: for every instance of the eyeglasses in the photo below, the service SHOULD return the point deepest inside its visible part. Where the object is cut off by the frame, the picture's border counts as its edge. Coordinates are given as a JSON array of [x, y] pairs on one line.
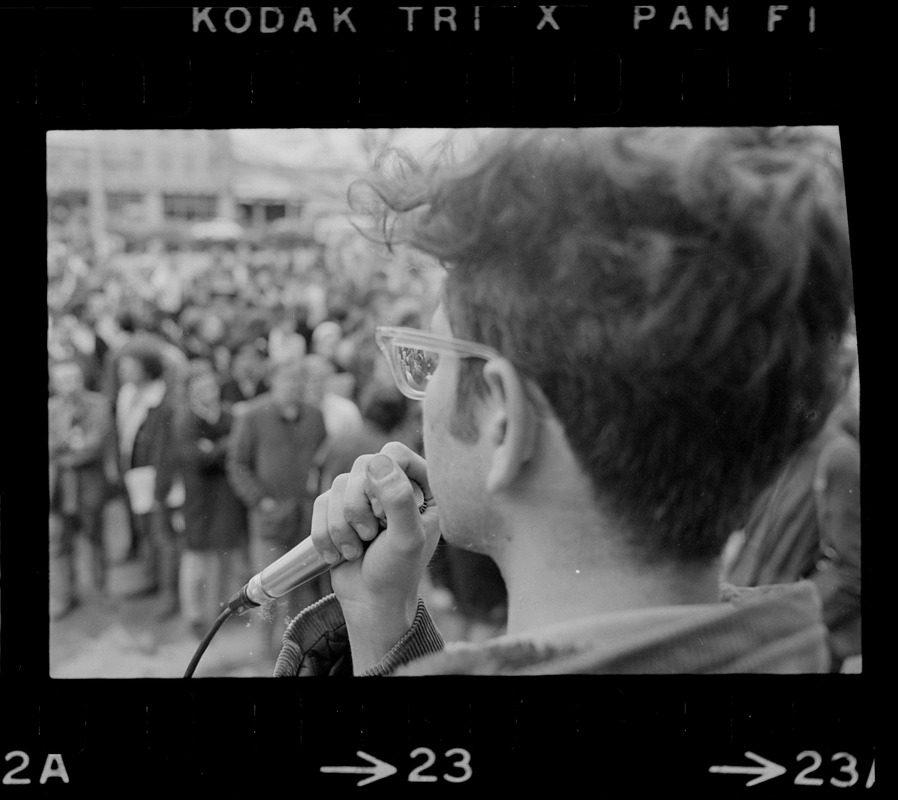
[[413, 355]]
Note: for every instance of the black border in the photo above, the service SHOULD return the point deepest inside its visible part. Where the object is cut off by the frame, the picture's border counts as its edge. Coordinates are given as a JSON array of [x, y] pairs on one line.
[[125, 67]]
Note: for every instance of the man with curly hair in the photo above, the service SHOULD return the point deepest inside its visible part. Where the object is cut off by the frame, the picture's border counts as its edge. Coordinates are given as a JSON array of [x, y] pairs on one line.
[[637, 328]]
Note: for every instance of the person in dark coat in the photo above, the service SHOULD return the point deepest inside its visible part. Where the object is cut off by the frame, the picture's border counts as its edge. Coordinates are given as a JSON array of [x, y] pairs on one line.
[[214, 518], [384, 409], [246, 379], [80, 432], [275, 444], [145, 428], [806, 525]]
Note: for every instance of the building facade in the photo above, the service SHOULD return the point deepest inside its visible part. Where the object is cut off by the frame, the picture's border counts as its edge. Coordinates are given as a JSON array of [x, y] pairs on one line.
[[139, 180], [138, 183]]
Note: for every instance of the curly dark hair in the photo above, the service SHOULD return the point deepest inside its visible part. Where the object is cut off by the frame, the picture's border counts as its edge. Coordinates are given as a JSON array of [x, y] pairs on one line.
[[678, 295], [147, 351]]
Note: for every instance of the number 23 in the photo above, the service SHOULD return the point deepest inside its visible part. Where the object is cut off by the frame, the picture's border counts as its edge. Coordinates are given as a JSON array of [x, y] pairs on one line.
[[850, 769], [463, 763]]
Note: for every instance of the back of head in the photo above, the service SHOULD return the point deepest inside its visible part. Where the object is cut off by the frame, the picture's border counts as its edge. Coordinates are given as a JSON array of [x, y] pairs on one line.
[[317, 371], [326, 336], [146, 350], [292, 365], [678, 295]]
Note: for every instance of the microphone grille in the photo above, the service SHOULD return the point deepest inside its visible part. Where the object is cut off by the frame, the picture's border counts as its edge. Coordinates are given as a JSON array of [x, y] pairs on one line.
[[419, 496]]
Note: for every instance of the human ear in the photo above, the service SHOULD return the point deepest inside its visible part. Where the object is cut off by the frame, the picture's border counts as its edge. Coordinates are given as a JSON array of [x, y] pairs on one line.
[[509, 423]]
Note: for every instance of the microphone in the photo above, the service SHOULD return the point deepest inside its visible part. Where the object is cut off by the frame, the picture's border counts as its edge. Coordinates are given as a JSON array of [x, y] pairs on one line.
[[296, 567]]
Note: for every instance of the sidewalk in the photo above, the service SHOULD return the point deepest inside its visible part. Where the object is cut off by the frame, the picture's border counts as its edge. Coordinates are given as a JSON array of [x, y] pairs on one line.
[[120, 638], [124, 641]]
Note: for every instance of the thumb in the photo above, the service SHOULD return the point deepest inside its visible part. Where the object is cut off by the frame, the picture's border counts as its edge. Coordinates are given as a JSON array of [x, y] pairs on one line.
[[392, 488]]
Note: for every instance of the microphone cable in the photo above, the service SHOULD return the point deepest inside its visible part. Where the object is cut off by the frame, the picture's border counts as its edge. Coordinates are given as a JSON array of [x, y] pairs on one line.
[[222, 618], [236, 604]]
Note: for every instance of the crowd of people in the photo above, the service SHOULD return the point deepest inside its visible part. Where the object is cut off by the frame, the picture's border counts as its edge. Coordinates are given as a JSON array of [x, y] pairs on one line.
[[643, 453], [215, 390]]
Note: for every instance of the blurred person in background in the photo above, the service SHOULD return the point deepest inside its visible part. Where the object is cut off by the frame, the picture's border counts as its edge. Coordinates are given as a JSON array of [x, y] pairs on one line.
[[326, 339], [246, 379], [145, 412], [109, 328], [807, 524], [94, 311], [193, 345], [80, 439], [272, 451], [383, 412], [358, 355], [284, 340], [71, 338], [139, 327], [341, 415], [221, 360], [209, 333], [214, 561]]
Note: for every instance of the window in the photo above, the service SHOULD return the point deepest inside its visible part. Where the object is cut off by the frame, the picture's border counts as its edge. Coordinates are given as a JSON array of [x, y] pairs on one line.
[[245, 213], [62, 204], [190, 207], [275, 211], [125, 204]]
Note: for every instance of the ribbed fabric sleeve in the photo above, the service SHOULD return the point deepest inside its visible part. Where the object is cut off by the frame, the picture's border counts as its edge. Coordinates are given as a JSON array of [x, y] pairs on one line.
[[316, 643], [421, 639]]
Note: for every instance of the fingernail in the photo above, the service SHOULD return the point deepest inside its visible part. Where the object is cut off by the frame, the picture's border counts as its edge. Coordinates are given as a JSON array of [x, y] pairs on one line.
[[365, 532], [330, 556], [380, 466], [349, 552]]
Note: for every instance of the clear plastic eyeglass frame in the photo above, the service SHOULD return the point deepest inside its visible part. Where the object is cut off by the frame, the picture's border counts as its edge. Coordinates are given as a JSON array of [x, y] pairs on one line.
[[405, 350]]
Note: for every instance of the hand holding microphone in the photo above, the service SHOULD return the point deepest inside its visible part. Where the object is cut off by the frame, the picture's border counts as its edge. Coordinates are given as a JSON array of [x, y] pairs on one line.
[[377, 586], [376, 530], [345, 520]]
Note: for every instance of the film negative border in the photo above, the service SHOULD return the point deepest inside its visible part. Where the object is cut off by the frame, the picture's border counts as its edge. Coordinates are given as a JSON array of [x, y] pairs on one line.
[[578, 64]]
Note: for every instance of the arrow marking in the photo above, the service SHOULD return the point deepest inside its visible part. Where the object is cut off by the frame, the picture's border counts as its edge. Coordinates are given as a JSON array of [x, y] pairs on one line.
[[765, 772], [380, 769]]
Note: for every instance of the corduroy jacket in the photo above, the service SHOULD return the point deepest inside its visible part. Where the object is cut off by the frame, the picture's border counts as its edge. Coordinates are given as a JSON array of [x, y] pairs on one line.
[[773, 629]]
